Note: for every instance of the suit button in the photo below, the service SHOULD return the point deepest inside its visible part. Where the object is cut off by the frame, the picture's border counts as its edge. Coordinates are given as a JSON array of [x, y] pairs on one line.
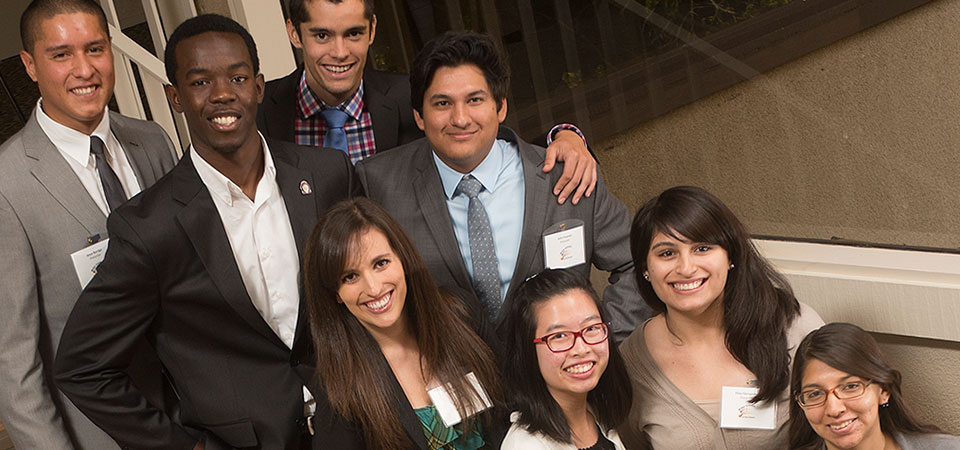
[[295, 362]]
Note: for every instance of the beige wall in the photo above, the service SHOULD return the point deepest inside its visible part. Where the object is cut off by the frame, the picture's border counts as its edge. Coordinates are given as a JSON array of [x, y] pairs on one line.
[[858, 140]]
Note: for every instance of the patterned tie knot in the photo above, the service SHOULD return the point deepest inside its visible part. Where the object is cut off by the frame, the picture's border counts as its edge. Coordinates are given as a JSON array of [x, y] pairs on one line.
[[469, 186], [334, 117]]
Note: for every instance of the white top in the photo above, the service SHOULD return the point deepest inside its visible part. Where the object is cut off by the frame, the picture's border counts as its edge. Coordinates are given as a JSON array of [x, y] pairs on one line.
[[519, 438], [262, 241], [75, 148]]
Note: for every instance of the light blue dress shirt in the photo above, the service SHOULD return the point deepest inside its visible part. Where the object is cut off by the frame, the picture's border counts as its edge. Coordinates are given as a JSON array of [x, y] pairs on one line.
[[501, 174]]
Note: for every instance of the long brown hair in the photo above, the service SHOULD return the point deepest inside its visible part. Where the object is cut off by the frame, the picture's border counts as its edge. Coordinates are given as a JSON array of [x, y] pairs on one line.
[[352, 371], [758, 303], [848, 348]]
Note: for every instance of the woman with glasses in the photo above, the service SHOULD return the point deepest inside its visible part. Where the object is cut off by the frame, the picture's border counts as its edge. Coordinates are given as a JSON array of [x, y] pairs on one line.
[[567, 383], [848, 397], [395, 356], [711, 369]]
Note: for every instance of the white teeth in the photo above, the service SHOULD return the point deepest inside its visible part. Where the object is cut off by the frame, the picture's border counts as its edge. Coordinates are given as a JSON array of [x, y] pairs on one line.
[[84, 90], [688, 286], [841, 425], [338, 69], [379, 304], [224, 120], [580, 368]]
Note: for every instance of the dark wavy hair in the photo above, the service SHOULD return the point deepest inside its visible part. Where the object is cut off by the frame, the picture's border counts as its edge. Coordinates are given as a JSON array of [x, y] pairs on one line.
[[39, 10], [539, 411], [297, 11], [848, 348], [758, 303], [456, 48], [350, 365], [206, 23]]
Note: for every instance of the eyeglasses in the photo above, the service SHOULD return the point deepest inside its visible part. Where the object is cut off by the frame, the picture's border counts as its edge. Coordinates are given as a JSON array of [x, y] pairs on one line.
[[845, 391], [562, 341]]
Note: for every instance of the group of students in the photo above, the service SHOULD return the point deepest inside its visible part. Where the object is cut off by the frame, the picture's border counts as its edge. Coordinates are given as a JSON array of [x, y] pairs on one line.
[[368, 341], [726, 319]]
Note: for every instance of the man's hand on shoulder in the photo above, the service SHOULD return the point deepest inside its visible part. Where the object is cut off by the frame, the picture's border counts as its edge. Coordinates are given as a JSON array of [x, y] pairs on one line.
[[579, 169]]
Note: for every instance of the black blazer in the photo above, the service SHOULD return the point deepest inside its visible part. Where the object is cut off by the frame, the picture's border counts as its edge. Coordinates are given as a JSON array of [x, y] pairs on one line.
[[169, 274], [387, 98]]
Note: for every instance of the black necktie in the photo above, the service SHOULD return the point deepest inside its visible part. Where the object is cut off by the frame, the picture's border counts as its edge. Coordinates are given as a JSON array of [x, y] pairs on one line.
[[112, 189]]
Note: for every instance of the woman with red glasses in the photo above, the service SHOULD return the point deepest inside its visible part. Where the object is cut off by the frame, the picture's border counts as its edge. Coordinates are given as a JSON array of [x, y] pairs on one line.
[[567, 383], [711, 370], [848, 397]]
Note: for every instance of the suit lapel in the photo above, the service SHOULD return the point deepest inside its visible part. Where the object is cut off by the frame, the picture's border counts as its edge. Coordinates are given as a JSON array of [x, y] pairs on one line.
[[383, 112], [301, 205], [55, 174], [130, 142], [537, 197], [202, 224], [431, 199]]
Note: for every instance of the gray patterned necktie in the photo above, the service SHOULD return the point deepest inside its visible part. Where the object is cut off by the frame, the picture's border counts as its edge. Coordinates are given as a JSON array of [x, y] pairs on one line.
[[486, 272], [112, 189]]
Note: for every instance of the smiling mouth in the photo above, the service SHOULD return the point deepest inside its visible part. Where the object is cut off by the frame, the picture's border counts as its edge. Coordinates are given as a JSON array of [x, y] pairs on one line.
[[338, 69], [842, 425], [688, 286], [85, 90], [225, 121], [379, 305], [581, 368]]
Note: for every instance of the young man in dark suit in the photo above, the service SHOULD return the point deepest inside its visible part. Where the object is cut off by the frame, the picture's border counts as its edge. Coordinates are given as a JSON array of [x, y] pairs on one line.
[[60, 176], [206, 265], [473, 197], [369, 109]]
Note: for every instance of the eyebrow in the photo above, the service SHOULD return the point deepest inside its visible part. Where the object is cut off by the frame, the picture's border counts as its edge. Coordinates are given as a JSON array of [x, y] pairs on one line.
[[818, 386], [199, 70], [471, 94], [56, 48], [557, 326]]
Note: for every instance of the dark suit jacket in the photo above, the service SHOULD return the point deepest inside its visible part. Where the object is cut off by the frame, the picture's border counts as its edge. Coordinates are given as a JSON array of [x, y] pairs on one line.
[[387, 98], [406, 182], [45, 215], [169, 274]]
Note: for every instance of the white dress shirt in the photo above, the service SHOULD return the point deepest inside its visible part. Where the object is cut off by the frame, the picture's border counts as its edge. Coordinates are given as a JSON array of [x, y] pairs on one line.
[[75, 148]]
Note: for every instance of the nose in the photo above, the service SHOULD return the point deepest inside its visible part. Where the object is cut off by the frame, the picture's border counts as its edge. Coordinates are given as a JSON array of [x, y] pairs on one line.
[[82, 67], [222, 92], [339, 50], [460, 117], [579, 346], [686, 264], [372, 286], [834, 407]]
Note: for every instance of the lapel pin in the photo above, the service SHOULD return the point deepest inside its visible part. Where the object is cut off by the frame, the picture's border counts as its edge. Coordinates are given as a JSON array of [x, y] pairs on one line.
[[305, 188]]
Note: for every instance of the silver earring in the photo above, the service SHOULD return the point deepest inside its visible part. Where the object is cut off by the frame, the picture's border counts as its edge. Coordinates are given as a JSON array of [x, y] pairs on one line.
[[732, 266], [885, 405], [646, 276]]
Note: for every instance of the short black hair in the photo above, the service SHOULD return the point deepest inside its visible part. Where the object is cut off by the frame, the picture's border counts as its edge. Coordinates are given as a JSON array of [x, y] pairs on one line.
[[39, 10], [456, 48], [610, 400], [206, 23], [297, 11]]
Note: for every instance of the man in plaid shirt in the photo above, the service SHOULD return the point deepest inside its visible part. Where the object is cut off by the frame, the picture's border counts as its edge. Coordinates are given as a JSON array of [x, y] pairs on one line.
[[373, 107]]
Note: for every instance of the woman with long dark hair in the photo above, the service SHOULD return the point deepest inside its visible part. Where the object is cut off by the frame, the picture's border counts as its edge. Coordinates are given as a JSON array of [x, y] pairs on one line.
[[848, 397], [390, 346], [567, 381], [711, 369]]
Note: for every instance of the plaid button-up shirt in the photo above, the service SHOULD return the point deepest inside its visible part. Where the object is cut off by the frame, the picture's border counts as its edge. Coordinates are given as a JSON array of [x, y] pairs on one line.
[[310, 126]]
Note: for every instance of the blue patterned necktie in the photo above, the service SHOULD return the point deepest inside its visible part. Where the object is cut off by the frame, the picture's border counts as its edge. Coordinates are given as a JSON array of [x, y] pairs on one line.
[[486, 272], [336, 137]]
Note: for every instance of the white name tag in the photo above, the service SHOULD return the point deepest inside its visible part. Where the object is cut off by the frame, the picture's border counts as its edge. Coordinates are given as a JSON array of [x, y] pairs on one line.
[[736, 410], [87, 259], [563, 245], [446, 408]]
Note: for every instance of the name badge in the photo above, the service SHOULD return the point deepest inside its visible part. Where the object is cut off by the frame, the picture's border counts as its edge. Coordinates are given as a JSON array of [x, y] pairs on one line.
[[563, 245], [737, 411], [87, 259], [448, 410]]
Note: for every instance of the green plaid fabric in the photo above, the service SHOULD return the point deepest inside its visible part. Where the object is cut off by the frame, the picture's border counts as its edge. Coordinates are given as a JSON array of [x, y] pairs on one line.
[[440, 437]]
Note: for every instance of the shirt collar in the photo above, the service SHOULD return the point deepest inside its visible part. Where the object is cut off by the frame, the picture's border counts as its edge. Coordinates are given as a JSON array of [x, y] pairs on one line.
[[310, 105], [487, 172], [221, 186], [71, 142]]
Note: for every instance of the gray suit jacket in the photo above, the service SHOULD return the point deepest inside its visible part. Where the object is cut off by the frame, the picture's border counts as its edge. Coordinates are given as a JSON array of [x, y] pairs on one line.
[[406, 182], [45, 215]]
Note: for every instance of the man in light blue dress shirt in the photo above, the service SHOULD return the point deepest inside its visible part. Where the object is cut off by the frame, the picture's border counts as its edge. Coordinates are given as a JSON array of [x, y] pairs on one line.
[[459, 84]]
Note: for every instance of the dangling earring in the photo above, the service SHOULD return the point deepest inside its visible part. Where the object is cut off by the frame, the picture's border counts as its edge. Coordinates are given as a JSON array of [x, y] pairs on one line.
[[646, 276], [732, 266]]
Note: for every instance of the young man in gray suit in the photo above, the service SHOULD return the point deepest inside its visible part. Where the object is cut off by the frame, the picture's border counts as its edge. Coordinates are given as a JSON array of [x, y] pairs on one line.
[[60, 176], [473, 197]]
